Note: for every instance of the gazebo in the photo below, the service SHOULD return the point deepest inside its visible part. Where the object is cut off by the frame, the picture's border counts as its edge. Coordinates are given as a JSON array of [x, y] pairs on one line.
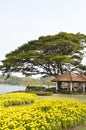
[[71, 77]]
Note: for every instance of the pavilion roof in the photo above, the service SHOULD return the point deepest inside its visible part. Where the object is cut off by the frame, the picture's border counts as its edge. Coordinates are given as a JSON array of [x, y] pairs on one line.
[[70, 76]]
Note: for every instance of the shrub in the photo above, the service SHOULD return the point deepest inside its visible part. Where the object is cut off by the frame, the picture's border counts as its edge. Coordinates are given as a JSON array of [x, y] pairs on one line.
[[44, 93], [79, 90], [65, 91], [11, 99], [35, 88], [52, 89]]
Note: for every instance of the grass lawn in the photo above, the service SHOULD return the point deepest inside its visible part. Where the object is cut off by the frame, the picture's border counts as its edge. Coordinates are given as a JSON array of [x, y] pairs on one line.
[[79, 98]]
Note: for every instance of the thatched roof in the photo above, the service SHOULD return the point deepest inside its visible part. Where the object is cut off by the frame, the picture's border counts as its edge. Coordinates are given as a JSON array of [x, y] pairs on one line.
[[70, 76]]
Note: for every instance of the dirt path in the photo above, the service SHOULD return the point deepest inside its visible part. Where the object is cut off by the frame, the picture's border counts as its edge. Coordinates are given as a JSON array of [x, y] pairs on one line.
[[79, 127]]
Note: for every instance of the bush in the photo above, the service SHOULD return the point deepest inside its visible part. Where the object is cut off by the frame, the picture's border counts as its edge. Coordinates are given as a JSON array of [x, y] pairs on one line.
[[65, 91], [22, 98], [35, 88], [44, 93], [62, 91], [52, 89], [79, 90]]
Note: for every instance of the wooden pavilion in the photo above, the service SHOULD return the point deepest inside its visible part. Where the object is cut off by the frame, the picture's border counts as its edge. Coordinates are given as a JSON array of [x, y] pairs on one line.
[[70, 78]]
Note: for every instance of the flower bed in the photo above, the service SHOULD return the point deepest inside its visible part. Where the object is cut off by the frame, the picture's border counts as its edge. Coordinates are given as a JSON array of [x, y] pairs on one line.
[[43, 115], [11, 99]]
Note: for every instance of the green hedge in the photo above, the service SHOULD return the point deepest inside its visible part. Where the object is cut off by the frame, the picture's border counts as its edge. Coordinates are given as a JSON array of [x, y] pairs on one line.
[[35, 88], [44, 93], [52, 89]]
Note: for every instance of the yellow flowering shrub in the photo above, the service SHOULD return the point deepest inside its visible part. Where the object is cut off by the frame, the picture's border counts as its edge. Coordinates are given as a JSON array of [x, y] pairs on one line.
[[43, 115], [11, 99]]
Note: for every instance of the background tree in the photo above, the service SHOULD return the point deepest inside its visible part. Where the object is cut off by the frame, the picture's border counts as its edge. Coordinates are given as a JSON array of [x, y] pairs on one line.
[[49, 55]]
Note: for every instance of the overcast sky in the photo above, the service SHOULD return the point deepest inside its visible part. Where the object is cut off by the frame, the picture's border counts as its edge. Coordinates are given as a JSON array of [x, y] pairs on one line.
[[24, 20]]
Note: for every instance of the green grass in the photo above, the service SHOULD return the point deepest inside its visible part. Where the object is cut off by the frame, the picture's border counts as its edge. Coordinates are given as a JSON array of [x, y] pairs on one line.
[[82, 129], [80, 98]]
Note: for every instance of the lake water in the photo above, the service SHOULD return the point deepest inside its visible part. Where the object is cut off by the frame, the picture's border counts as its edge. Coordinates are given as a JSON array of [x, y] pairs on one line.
[[6, 88]]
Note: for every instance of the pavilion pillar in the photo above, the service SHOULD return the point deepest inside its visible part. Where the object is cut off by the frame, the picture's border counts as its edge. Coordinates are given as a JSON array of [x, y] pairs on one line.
[[71, 87], [56, 86], [83, 88]]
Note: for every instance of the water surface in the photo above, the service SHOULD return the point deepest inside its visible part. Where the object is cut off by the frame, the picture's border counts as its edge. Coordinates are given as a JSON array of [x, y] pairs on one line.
[[8, 88]]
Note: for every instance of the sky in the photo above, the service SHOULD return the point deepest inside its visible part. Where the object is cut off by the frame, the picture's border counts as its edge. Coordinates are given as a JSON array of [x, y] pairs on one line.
[[25, 20]]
